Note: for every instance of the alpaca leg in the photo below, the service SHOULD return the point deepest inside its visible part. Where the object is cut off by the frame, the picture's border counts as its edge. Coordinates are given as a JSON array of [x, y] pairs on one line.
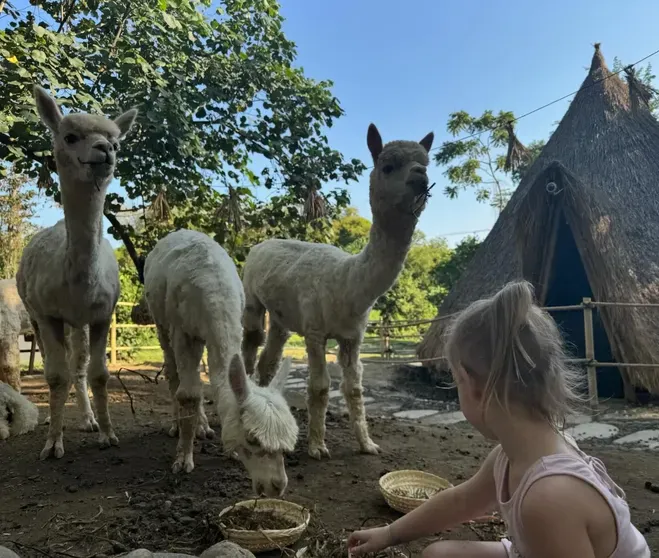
[[10, 363], [353, 392], [188, 352], [317, 397], [271, 355], [59, 383], [98, 379], [204, 431], [42, 352], [171, 374], [78, 365], [253, 335]]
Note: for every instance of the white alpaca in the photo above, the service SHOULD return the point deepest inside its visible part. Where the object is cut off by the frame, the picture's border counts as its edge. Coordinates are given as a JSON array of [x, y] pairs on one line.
[[321, 292], [14, 322], [196, 299], [68, 277], [18, 415]]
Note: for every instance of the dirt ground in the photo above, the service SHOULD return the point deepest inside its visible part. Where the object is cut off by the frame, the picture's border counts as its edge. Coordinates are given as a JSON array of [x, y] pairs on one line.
[[100, 503]]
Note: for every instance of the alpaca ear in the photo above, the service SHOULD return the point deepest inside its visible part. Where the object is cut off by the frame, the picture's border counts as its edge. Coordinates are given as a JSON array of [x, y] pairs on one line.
[[427, 141], [374, 142], [279, 381], [238, 379], [125, 121], [49, 112]]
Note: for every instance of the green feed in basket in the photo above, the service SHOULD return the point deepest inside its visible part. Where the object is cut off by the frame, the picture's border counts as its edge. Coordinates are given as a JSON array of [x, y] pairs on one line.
[[248, 519], [417, 492]]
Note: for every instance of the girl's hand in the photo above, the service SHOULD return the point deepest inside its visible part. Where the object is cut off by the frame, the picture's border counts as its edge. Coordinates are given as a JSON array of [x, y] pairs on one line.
[[369, 540]]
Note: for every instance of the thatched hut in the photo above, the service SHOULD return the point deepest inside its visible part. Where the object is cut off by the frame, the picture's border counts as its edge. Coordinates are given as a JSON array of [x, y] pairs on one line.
[[584, 222]]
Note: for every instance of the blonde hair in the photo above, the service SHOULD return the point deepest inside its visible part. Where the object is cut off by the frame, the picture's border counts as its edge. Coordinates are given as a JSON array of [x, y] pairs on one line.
[[515, 349]]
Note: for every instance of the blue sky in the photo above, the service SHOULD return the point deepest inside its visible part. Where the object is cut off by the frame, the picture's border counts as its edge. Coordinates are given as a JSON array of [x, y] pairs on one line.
[[407, 65]]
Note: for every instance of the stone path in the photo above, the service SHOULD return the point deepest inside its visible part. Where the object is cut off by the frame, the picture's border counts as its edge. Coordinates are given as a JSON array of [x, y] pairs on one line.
[[637, 428]]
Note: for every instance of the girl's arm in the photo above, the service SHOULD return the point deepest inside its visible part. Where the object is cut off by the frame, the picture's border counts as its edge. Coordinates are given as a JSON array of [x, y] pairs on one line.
[[555, 513], [466, 501]]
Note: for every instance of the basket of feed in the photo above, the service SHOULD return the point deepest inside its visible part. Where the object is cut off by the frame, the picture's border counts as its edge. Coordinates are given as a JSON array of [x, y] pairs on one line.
[[406, 490], [264, 524]]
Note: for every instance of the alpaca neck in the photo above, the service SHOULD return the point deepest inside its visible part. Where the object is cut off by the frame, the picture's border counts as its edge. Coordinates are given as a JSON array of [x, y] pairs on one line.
[[374, 270], [83, 216]]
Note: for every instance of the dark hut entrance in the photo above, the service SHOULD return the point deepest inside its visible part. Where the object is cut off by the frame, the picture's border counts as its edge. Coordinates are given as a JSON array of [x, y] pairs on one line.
[[568, 284]]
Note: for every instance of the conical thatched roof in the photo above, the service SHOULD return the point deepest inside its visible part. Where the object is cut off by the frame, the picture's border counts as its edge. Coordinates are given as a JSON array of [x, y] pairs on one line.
[[604, 161]]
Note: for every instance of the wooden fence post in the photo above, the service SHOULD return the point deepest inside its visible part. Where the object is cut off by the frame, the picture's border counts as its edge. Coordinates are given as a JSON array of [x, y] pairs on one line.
[[33, 347], [113, 339], [593, 398]]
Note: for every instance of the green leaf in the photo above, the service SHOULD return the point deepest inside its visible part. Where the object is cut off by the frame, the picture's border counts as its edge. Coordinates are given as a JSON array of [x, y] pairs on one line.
[[39, 56]]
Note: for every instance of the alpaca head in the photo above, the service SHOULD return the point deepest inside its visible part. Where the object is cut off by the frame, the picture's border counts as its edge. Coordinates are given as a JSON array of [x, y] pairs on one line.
[[399, 182], [261, 428], [84, 145]]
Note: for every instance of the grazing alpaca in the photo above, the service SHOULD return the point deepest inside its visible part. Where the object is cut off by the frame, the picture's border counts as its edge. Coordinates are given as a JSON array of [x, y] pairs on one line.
[[321, 292], [18, 415], [68, 277], [196, 299], [14, 321]]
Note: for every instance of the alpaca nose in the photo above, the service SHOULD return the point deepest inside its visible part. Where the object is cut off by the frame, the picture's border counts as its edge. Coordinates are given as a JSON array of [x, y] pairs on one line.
[[418, 179], [278, 486], [105, 147]]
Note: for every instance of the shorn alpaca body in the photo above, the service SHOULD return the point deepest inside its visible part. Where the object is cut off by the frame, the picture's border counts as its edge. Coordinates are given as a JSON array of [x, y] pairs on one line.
[[14, 322], [322, 292], [196, 299], [18, 415], [68, 276]]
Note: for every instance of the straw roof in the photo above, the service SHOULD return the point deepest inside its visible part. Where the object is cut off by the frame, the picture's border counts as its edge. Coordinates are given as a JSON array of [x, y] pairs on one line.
[[604, 162]]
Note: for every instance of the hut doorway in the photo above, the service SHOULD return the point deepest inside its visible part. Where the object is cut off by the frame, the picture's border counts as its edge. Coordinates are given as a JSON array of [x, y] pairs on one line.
[[568, 284]]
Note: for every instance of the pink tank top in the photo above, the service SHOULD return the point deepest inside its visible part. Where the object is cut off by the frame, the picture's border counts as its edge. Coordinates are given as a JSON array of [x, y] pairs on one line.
[[630, 543]]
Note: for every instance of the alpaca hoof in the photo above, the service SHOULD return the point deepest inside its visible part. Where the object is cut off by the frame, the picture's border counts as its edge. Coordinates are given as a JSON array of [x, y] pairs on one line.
[[89, 424], [319, 451], [106, 441], [182, 464], [371, 448], [173, 431], [56, 448], [205, 432], [47, 420]]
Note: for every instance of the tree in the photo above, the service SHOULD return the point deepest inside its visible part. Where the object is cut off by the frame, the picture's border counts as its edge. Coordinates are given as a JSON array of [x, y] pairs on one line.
[[17, 205], [473, 162], [448, 271], [646, 77], [223, 110], [351, 231]]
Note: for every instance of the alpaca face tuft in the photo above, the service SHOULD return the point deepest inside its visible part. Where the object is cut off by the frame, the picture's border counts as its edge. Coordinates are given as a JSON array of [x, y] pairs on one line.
[[261, 429]]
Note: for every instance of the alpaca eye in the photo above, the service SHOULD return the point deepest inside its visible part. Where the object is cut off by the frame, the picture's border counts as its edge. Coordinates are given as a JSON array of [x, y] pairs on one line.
[[70, 138], [387, 169]]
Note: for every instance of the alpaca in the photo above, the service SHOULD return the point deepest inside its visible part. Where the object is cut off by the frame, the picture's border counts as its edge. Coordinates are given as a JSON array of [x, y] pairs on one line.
[[196, 299], [18, 415], [321, 292], [14, 322], [68, 277]]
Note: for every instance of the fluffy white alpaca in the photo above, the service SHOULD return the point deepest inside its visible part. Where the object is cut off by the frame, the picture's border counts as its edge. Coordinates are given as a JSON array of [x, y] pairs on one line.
[[18, 415], [68, 277], [322, 292], [196, 299], [14, 322]]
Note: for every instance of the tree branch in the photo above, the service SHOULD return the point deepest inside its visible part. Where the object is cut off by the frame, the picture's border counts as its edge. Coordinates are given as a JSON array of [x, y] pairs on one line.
[[128, 243], [67, 16]]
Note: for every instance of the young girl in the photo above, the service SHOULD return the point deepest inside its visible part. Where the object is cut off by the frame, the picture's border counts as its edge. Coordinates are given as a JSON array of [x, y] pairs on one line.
[[515, 387]]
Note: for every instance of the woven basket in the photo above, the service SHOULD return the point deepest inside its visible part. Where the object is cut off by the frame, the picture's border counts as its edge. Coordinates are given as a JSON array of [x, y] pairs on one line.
[[410, 482], [268, 539]]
